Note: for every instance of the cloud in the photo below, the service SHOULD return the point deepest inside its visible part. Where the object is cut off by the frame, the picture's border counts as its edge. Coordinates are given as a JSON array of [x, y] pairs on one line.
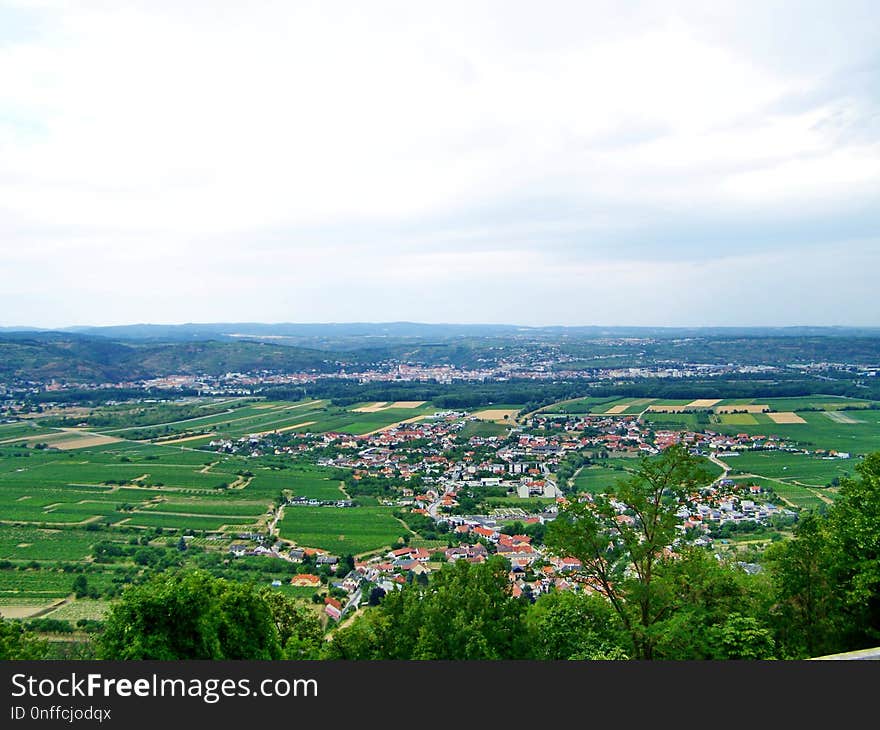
[[192, 145]]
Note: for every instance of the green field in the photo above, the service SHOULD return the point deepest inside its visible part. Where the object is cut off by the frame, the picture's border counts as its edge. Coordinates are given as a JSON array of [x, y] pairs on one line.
[[795, 494], [35, 586], [27, 543], [185, 523], [341, 530], [819, 431], [483, 428], [792, 468], [738, 419], [598, 479], [676, 421], [270, 416]]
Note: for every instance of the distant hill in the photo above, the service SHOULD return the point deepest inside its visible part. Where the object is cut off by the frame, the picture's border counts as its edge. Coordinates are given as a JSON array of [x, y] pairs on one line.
[[66, 356]]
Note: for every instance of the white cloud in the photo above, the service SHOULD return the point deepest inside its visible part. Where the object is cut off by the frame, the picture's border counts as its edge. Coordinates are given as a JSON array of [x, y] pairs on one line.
[[177, 140]]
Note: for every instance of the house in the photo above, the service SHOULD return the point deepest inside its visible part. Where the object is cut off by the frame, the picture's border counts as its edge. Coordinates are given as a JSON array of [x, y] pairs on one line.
[[332, 608], [305, 580]]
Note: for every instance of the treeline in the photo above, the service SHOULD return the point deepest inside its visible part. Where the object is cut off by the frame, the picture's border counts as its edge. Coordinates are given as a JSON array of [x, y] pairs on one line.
[[444, 395]]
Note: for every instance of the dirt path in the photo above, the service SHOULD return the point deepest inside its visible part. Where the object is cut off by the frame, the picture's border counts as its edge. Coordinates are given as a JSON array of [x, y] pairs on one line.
[[348, 621], [724, 465]]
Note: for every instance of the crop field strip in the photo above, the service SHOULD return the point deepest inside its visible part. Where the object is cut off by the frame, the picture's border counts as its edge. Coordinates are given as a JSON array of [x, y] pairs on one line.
[[341, 530]]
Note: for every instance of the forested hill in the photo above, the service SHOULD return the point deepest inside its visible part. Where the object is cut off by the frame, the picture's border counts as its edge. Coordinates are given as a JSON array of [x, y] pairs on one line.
[[41, 356]]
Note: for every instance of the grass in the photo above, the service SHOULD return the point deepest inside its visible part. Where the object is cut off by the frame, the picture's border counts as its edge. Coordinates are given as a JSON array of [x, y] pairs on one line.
[[484, 429], [184, 523], [738, 419], [790, 467], [598, 479], [801, 497], [341, 530], [31, 543]]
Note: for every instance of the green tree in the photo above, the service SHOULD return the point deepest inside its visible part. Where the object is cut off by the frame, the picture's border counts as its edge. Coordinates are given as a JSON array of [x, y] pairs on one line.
[[298, 628], [467, 612], [853, 534], [741, 637], [807, 609], [700, 594], [80, 586], [18, 643], [621, 539], [566, 625], [190, 615]]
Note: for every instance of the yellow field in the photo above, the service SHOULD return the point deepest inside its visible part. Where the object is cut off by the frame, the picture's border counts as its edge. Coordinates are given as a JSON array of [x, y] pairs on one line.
[[667, 409], [786, 417], [754, 408], [497, 414], [73, 439], [407, 404], [617, 409], [840, 417], [703, 403], [372, 408], [24, 611], [286, 428], [394, 425]]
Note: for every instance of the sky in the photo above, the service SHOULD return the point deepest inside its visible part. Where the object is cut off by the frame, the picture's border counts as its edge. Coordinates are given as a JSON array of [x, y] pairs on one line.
[[553, 163]]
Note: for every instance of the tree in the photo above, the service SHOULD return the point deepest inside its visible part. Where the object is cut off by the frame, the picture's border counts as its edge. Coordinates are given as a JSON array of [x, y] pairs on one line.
[[566, 625], [701, 594], [19, 644], [467, 612], [299, 630], [828, 576], [80, 586], [190, 615], [807, 609], [620, 539], [853, 533]]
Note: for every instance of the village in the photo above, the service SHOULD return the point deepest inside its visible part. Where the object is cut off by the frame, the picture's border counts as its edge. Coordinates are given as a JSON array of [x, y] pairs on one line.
[[433, 472]]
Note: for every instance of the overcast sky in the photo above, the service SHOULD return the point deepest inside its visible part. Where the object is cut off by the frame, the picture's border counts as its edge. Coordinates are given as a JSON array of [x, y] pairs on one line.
[[668, 163]]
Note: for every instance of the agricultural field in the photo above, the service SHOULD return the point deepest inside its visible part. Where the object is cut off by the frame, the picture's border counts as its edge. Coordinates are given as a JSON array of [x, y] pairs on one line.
[[598, 479], [676, 421], [602, 475], [485, 429], [341, 530], [856, 432], [792, 468], [26, 543], [76, 610], [794, 495], [315, 416], [33, 586], [579, 405]]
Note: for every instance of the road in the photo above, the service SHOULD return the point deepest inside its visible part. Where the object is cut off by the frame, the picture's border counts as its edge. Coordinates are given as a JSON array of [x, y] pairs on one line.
[[726, 467]]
